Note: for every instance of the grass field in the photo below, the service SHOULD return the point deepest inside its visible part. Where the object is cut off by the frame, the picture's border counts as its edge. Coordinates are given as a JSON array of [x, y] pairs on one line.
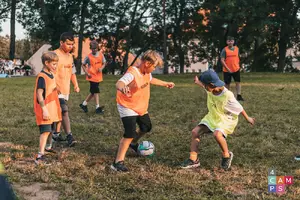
[[83, 172]]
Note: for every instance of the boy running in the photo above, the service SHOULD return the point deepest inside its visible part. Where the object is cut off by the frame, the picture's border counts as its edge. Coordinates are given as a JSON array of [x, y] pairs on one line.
[[133, 94], [93, 65], [221, 120], [46, 104]]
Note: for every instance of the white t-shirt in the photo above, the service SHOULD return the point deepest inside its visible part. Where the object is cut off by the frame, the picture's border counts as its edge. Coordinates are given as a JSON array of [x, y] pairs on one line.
[[128, 78]]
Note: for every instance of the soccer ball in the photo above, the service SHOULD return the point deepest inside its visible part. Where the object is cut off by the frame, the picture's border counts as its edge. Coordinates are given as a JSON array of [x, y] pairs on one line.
[[146, 148]]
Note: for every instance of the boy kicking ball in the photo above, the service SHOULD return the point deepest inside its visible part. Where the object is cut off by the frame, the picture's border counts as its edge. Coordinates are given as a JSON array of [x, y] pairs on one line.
[[221, 120]]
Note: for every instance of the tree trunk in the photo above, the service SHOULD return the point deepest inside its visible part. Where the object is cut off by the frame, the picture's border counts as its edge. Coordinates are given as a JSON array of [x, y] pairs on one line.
[[12, 30], [282, 47], [166, 67], [82, 23], [181, 60]]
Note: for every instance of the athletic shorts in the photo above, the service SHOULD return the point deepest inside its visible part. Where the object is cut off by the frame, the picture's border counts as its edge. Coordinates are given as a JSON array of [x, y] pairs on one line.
[[94, 87], [130, 122], [235, 75], [63, 105], [48, 128]]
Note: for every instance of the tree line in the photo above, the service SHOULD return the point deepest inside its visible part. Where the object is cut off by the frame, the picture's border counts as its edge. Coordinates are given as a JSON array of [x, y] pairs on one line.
[[185, 31]]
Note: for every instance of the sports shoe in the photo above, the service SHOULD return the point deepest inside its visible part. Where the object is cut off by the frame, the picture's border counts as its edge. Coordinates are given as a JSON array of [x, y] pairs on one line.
[[100, 110], [188, 164], [119, 166], [134, 147], [297, 157], [84, 108], [51, 150], [226, 162], [71, 141], [41, 160], [57, 137], [239, 98]]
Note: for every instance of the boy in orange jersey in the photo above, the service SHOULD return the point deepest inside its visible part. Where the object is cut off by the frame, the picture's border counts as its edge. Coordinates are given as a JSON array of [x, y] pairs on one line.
[[133, 94], [93, 65], [230, 59], [46, 104], [66, 72]]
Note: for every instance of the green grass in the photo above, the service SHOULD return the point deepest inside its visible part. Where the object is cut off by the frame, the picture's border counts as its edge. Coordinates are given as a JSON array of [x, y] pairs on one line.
[[83, 172]]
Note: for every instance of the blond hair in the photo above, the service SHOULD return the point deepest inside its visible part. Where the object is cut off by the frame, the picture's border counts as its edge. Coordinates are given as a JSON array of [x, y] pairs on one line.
[[49, 56], [153, 57]]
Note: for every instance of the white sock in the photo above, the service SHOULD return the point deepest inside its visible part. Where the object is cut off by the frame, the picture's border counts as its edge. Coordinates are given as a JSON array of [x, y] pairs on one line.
[[48, 146], [39, 155], [84, 103], [97, 106]]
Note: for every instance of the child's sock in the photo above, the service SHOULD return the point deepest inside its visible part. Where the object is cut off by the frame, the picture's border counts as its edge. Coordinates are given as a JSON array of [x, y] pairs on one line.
[[97, 106], [39, 155], [56, 134], [193, 156], [48, 146], [84, 103]]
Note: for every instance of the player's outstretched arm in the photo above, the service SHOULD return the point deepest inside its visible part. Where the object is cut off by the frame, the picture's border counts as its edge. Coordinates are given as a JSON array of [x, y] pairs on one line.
[[198, 82], [249, 119], [158, 82]]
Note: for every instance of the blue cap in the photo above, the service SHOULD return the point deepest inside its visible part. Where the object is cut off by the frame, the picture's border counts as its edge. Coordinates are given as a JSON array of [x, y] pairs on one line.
[[212, 77]]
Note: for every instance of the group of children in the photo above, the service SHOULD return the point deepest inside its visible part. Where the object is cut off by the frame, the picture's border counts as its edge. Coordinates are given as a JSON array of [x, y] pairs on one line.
[[133, 93]]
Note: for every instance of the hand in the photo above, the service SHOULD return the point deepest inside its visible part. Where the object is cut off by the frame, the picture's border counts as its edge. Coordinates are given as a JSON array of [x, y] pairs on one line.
[[125, 90], [228, 70], [100, 70], [196, 80], [46, 115], [170, 85], [89, 75], [251, 120], [77, 89]]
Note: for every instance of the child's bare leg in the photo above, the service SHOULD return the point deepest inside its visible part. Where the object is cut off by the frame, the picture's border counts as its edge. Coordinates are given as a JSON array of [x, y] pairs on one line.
[[222, 143], [96, 95], [88, 98], [58, 127], [43, 141], [238, 88], [227, 86], [195, 143], [139, 134], [123, 147], [66, 122], [49, 141]]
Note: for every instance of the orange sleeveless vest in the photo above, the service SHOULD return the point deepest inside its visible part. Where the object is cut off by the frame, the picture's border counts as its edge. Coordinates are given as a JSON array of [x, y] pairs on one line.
[[138, 99], [95, 64], [51, 101], [232, 59], [64, 71]]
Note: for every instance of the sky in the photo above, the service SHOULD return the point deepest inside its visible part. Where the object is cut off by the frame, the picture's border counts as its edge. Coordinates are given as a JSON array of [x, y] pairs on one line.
[[20, 32]]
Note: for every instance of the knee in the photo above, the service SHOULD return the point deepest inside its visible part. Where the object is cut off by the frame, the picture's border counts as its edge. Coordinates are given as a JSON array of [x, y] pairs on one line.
[[195, 134], [147, 128], [218, 134]]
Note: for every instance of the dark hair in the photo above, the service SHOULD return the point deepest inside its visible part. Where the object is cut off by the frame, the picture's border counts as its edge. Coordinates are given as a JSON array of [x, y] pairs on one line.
[[66, 36]]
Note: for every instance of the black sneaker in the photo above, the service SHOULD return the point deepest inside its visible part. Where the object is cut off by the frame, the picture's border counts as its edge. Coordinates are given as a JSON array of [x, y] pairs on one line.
[[51, 150], [58, 137], [119, 166], [226, 162], [71, 141], [84, 108], [134, 147], [41, 160], [188, 164], [100, 110], [239, 98], [297, 158]]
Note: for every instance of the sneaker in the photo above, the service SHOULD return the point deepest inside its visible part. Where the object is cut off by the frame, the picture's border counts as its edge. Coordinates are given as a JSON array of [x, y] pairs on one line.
[[226, 162], [71, 141], [51, 150], [84, 108], [239, 98], [100, 110], [41, 160], [188, 164], [119, 167], [297, 157], [134, 147], [58, 138]]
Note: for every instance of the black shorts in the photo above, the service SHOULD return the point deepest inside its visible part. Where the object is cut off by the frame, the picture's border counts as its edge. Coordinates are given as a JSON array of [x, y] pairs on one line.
[[236, 77], [48, 128], [130, 122], [94, 87], [63, 105]]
